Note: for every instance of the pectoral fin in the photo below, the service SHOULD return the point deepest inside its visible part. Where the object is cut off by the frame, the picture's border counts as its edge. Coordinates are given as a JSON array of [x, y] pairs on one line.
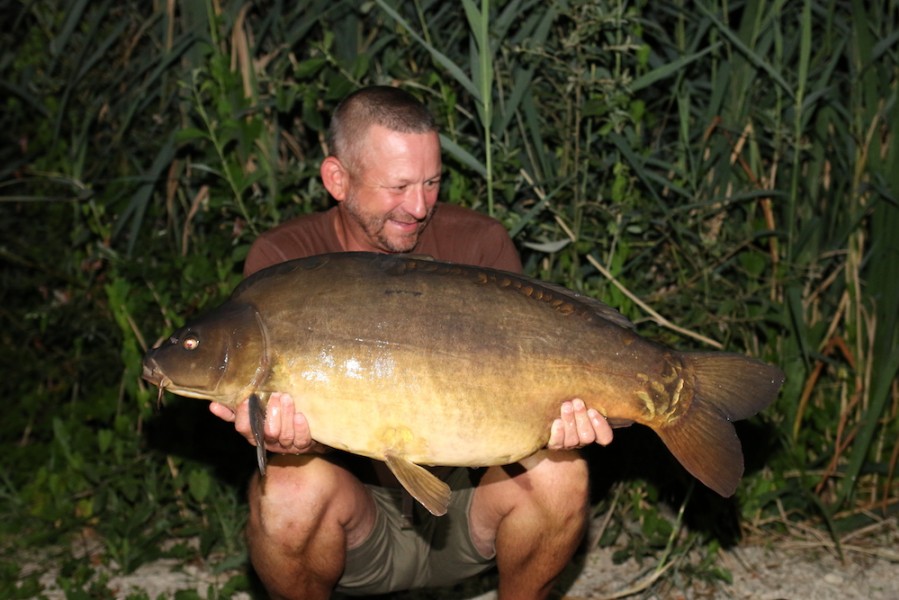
[[257, 426], [420, 483]]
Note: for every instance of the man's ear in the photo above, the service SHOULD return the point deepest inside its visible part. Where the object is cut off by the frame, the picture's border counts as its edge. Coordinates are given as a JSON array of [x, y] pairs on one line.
[[334, 177]]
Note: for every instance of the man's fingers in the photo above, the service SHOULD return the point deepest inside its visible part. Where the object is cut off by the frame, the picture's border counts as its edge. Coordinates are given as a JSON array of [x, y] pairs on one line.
[[242, 422], [273, 419], [570, 424], [222, 412], [287, 434], [556, 435], [601, 427], [583, 425], [301, 433]]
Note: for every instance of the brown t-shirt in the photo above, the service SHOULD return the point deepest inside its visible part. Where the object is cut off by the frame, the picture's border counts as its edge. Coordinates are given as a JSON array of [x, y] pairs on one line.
[[454, 234]]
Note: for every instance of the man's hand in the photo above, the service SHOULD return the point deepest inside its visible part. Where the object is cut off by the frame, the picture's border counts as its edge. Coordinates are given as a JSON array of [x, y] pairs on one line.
[[578, 427], [286, 431]]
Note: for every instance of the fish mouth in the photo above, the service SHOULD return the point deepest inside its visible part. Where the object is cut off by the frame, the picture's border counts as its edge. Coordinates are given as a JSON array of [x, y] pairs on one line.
[[151, 372]]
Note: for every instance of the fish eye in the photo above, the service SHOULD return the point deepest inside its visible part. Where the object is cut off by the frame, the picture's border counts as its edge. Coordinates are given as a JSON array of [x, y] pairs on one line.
[[190, 343]]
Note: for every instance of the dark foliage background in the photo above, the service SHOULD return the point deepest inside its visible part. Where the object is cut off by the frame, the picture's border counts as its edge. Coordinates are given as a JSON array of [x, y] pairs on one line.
[[724, 173]]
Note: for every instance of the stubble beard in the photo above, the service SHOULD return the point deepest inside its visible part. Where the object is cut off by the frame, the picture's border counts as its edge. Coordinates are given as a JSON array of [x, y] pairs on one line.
[[374, 226]]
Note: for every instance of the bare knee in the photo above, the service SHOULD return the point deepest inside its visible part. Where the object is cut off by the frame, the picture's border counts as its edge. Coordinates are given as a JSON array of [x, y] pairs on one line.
[[304, 515], [533, 516], [306, 477], [559, 486], [301, 494], [546, 493]]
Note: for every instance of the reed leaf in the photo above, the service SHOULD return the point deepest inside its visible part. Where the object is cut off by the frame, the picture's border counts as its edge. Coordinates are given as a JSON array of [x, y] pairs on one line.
[[738, 44], [444, 61], [669, 69]]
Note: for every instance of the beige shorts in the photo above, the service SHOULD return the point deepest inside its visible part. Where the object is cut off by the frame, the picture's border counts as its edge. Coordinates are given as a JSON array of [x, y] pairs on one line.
[[436, 551]]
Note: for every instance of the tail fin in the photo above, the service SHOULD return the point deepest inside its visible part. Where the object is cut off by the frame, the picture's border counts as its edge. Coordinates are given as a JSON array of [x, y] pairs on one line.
[[726, 387]]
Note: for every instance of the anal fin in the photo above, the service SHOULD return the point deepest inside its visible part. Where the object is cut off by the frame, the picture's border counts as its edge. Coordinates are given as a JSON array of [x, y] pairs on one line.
[[423, 485]]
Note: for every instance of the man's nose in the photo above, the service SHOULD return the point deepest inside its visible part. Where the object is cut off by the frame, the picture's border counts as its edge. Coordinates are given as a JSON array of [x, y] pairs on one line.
[[417, 203]]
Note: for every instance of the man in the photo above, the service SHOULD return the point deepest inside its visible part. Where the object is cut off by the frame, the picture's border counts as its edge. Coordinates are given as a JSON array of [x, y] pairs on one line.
[[321, 520]]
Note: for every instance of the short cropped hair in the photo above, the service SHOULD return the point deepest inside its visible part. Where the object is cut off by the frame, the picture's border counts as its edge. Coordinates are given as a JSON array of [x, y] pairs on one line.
[[386, 106]]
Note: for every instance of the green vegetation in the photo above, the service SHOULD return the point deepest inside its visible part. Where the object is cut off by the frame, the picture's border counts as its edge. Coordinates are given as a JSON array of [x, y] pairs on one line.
[[724, 173]]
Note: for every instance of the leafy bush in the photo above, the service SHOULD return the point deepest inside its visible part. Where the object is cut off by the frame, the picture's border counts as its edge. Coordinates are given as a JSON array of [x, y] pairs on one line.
[[725, 174]]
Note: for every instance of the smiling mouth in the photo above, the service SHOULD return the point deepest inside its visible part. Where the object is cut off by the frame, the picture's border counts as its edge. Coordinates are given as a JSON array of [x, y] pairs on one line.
[[407, 226]]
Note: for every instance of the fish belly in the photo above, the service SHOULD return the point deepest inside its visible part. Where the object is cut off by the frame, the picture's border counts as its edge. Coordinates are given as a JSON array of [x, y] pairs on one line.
[[425, 420]]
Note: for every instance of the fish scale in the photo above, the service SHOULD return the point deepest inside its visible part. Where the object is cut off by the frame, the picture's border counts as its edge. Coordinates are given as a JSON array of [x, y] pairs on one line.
[[420, 362]]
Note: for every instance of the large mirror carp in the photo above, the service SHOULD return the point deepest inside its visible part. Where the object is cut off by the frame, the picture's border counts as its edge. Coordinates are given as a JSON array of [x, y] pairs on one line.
[[419, 362]]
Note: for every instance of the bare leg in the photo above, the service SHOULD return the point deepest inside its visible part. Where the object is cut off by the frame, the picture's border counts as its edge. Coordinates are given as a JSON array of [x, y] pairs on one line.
[[534, 518], [304, 515]]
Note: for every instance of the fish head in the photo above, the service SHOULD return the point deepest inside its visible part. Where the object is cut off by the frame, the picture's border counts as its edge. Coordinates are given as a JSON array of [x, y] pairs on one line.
[[221, 356]]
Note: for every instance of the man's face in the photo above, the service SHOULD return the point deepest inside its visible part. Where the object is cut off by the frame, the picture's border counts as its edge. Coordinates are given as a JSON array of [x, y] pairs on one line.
[[392, 192]]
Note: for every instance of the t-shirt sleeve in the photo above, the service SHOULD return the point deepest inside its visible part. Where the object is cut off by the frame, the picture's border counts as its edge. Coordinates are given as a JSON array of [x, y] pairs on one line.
[[300, 237], [501, 253], [263, 253], [462, 235]]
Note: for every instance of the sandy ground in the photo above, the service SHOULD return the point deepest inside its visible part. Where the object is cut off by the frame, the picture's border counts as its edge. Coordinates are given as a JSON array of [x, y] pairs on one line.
[[782, 569]]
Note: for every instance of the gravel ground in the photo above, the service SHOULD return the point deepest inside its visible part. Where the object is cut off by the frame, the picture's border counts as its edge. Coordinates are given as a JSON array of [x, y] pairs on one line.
[[781, 569], [785, 569], [759, 573]]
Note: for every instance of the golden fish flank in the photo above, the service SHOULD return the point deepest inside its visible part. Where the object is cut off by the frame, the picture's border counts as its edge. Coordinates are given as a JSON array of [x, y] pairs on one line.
[[402, 359], [377, 365]]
